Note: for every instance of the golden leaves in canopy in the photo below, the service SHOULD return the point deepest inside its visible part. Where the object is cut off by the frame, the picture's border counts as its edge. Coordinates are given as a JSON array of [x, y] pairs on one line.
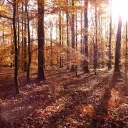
[[64, 5], [3, 9]]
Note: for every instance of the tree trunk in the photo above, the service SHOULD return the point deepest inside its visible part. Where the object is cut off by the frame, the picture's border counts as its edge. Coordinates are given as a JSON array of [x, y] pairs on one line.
[[22, 35], [60, 38], [16, 49], [67, 37], [118, 45], [76, 33], [57, 57], [51, 45], [95, 43], [25, 41], [102, 45], [126, 59], [41, 40], [29, 46], [3, 33], [18, 32], [110, 37], [72, 27], [81, 25], [86, 70]]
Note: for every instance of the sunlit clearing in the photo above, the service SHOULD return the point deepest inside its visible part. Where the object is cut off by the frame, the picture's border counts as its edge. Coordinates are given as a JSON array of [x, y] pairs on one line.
[[120, 7]]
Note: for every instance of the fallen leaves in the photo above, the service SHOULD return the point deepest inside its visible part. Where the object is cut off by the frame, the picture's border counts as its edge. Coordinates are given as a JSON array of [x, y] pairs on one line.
[[86, 111], [114, 100], [62, 101], [73, 123]]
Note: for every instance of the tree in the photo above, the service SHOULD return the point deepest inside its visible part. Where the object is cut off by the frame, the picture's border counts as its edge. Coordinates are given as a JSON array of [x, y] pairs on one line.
[[76, 33], [25, 39], [29, 48], [126, 57], [60, 37], [41, 40], [51, 43], [96, 40], [22, 53], [86, 70], [118, 45], [81, 25], [67, 23], [110, 37], [16, 48], [72, 26]]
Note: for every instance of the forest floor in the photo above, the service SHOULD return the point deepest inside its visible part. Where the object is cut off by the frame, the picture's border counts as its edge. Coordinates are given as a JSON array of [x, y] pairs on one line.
[[64, 100]]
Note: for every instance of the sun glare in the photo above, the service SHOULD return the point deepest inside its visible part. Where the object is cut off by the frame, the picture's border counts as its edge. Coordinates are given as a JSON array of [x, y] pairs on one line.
[[120, 7]]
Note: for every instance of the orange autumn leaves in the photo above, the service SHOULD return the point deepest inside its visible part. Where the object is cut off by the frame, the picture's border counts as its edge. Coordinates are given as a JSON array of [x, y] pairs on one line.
[[84, 111]]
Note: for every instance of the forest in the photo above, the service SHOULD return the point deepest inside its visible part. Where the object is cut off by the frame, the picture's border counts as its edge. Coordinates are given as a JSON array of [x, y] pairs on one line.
[[63, 64]]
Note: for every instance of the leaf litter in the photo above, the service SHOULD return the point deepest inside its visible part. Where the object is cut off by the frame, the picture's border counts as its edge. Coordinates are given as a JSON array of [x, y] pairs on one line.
[[64, 100]]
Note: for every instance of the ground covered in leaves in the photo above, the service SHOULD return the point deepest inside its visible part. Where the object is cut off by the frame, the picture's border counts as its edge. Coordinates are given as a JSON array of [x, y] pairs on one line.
[[64, 100]]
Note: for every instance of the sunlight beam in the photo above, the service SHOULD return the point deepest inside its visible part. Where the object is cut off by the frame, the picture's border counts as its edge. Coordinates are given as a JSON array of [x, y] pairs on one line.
[[119, 7]]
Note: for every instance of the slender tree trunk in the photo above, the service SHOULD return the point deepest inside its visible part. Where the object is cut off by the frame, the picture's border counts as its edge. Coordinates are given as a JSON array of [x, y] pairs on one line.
[[3, 33], [86, 70], [67, 38], [110, 37], [67, 21], [16, 49], [57, 58], [18, 30], [18, 34], [95, 44], [72, 27], [102, 45], [12, 48], [81, 25], [76, 33], [41, 40], [118, 45], [22, 35], [51, 46], [29, 46], [25, 41], [126, 58], [99, 39], [60, 38]]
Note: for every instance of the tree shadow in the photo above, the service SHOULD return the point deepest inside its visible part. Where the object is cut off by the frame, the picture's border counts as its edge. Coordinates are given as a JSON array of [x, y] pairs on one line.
[[101, 111], [116, 78], [76, 99]]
